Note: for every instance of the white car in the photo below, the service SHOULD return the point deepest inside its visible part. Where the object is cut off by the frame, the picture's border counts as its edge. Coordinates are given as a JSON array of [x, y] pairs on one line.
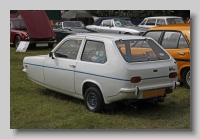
[[118, 25], [150, 22], [105, 68]]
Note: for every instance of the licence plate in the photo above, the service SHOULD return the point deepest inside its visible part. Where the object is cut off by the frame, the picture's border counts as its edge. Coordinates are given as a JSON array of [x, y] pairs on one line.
[[42, 44], [153, 93]]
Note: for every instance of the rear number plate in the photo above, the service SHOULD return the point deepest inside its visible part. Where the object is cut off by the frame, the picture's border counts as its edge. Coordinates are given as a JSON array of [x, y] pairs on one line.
[[153, 93]]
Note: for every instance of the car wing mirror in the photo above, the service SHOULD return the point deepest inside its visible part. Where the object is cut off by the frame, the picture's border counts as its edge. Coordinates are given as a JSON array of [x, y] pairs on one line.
[[52, 55]]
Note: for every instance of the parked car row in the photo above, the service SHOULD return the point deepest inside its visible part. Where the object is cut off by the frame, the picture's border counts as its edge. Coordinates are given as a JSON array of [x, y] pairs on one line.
[[23, 29]]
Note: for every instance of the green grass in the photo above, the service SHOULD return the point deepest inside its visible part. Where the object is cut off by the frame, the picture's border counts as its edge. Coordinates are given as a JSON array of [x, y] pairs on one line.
[[34, 107]]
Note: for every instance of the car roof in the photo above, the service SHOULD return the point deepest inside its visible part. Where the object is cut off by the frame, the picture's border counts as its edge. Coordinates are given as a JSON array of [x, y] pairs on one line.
[[164, 17], [111, 36], [98, 21], [179, 27]]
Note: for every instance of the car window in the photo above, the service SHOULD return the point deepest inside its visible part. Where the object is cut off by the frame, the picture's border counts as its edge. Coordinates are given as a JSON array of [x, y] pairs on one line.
[[106, 22], [151, 22], [141, 50], [160, 22], [143, 22], [69, 49], [94, 51], [175, 21], [182, 42], [170, 40], [154, 34]]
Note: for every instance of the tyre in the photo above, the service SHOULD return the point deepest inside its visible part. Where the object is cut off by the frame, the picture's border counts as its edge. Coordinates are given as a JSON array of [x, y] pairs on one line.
[[186, 78], [17, 41], [93, 100]]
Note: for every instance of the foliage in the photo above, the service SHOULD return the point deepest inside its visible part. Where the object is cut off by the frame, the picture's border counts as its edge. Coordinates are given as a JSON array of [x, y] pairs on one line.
[[140, 13]]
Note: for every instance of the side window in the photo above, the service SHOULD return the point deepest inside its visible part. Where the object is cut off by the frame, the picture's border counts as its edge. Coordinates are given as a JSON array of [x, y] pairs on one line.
[[154, 34], [143, 22], [106, 22], [160, 22], [182, 42], [170, 40], [68, 49], [151, 22], [94, 51]]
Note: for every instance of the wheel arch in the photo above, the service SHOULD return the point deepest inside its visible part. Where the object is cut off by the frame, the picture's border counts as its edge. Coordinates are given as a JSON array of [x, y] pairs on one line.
[[90, 83], [182, 71]]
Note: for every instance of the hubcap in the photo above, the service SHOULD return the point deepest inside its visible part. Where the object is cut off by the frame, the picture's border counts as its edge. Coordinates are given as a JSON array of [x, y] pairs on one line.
[[188, 77], [92, 100]]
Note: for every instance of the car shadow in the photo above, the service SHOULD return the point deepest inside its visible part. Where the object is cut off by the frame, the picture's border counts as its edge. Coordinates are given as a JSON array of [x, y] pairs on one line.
[[142, 109]]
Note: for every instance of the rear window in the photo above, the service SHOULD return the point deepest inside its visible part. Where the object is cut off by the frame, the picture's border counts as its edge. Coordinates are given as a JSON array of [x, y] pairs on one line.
[[141, 50]]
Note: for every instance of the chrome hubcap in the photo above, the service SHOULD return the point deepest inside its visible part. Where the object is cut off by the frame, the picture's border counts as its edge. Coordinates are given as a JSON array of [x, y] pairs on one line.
[[92, 100], [188, 77]]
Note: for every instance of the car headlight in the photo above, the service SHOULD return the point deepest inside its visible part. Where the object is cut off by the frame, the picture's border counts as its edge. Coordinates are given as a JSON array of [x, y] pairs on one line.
[[27, 37]]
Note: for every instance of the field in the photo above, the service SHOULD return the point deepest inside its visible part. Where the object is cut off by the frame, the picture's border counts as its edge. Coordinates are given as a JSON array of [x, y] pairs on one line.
[[34, 107]]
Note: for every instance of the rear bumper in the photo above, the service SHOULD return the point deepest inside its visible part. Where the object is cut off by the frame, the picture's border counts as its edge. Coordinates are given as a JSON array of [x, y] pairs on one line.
[[142, 92], [136, 90]]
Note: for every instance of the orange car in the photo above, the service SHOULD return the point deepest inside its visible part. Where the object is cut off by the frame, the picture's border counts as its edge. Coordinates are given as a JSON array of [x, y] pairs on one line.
[[176, 41]]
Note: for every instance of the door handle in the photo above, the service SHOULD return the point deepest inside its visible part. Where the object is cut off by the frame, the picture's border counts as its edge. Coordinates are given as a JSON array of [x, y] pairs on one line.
[[72, 66], [181, 53]]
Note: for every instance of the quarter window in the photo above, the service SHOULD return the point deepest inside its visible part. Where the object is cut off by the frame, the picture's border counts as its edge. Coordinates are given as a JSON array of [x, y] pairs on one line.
[[154, 34], [69, 49], [151, 22], [94, 51], [170, 40], [182, 42]]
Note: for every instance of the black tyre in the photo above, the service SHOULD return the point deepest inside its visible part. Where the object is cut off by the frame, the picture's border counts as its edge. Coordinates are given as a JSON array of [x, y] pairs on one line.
[[186, 78], [93, 100], [17, 41]]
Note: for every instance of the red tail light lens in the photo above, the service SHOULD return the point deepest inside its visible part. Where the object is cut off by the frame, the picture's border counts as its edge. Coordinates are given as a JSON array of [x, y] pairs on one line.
[[173, 75], [135, 79]]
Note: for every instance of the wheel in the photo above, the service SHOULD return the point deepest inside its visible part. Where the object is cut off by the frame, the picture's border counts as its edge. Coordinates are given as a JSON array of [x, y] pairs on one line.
[[93, 100], [17, 41], [186, 78], [50, 45]]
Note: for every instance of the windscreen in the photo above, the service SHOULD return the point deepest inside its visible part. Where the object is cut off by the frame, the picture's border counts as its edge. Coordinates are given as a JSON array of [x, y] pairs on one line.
[[141, 50]]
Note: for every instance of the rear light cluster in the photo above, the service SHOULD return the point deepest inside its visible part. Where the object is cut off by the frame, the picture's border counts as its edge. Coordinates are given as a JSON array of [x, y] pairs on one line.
[[173, 75], [135, 79]]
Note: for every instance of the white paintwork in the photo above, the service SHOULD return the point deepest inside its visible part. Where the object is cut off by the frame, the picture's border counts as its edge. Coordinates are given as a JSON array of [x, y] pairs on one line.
[[157, 17], [111, 77]]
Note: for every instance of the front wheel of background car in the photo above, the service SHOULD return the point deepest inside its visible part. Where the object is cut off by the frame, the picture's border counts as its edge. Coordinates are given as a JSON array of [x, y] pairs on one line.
[[93, 100], [17, 41], [186, 78]]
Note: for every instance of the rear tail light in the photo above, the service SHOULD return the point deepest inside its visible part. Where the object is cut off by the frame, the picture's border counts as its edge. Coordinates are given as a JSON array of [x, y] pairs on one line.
[[173, 75], [135, 79]]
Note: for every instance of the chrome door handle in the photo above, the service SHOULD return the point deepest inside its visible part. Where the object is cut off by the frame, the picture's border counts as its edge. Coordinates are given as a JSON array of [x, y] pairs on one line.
[[181, 53], [72, 66]]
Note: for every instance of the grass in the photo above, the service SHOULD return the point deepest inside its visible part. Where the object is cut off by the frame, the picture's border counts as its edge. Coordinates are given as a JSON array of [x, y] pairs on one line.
[[34, 107]]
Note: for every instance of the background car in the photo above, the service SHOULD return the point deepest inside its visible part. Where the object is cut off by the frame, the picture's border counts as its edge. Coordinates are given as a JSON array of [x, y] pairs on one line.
[[118, 25], [29, 28], [65, 28], [105, 68], [176, 40], [150, 22], [187, 20]]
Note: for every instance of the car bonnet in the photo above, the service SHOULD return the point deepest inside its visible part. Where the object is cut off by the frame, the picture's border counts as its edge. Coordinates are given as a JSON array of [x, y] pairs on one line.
[[37, 24]]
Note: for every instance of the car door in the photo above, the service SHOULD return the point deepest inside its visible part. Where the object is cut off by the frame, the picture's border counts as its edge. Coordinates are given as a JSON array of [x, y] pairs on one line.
[[175, 43], [59, 69]]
